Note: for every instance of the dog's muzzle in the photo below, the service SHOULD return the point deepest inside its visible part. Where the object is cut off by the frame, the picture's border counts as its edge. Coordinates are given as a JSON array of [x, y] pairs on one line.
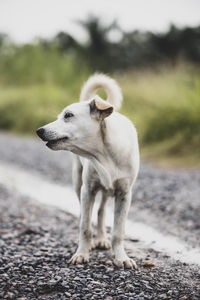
[[40, 132], [51, 141]]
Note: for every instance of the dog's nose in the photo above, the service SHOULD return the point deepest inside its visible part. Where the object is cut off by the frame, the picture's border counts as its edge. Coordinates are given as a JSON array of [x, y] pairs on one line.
[[40, 132]]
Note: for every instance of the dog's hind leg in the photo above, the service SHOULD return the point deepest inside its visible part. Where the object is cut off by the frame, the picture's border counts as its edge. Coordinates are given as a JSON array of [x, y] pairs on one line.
[[102, 241], [85, 235], [122, 204], [77, 175]]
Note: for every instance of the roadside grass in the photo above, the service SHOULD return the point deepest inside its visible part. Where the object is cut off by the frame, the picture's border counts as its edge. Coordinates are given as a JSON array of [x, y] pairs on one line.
[[35, 84], [29, 65], [163, 104], [25, 109]]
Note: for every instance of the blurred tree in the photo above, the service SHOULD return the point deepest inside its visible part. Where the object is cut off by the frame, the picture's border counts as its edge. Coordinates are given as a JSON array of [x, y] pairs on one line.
[[98, 50], [65, 42], [136, 50], [2, 39], [167, 45], [133, 49], [177, 43], [102, 53], [190, 42], [5, 42]]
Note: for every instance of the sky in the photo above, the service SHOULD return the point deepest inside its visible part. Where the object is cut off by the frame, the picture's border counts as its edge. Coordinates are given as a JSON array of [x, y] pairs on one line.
[[23, 20]]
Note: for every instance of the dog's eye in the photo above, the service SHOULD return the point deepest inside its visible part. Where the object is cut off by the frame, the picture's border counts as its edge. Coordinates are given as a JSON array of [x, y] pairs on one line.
[[68, 115]]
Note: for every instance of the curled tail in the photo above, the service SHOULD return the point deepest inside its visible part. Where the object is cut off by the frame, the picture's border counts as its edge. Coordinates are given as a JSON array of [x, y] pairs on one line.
[[101, 81]]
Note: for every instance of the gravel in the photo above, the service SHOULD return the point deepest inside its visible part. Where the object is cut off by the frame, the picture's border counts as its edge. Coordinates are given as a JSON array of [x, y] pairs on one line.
[[165, 199], [169, 200], [32, 155], [37, 242]]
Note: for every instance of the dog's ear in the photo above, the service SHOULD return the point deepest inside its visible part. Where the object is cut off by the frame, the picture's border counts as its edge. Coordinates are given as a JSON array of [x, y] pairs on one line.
[[100, 108]]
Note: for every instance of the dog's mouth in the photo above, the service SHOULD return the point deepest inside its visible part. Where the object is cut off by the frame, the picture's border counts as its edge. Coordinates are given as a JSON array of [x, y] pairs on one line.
[[56, 141]]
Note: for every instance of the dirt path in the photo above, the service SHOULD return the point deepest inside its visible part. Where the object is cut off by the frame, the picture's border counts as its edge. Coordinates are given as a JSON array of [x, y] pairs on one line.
[[37, 240], [168, 200]]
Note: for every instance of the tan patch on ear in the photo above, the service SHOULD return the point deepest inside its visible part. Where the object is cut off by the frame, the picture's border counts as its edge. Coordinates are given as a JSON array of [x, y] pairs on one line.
[[101, 104]]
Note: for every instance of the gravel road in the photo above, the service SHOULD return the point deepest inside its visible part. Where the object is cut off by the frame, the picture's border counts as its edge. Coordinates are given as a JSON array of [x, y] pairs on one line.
[[168, 200], [37, 241]]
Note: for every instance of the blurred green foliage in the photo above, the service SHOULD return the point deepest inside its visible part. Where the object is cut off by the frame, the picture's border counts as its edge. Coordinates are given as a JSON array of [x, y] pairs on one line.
[[38, 80], [165, 106], [34, 64]]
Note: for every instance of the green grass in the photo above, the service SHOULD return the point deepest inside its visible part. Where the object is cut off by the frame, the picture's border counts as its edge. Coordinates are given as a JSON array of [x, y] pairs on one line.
[[36, 65], [25, 109], [163, 104], [35, 84]]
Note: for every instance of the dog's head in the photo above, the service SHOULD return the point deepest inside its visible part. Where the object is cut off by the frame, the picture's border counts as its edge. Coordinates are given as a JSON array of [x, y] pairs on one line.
[[77, 126]]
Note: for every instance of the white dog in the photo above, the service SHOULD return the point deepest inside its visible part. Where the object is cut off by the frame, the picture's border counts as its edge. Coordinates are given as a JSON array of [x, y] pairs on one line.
[[107, 159]]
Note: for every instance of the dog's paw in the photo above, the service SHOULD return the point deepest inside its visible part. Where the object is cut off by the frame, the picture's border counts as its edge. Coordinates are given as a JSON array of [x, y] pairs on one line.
[[79, 258], [126, 263], [102, 244]]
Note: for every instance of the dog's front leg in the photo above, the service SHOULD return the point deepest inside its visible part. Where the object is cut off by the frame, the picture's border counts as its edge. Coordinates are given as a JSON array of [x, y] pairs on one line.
[[122, 203], [77, 175], [85, 235]]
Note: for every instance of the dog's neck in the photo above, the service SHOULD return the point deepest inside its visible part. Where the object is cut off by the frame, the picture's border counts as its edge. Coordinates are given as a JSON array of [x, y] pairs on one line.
[[98, 153], [99, 164]]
